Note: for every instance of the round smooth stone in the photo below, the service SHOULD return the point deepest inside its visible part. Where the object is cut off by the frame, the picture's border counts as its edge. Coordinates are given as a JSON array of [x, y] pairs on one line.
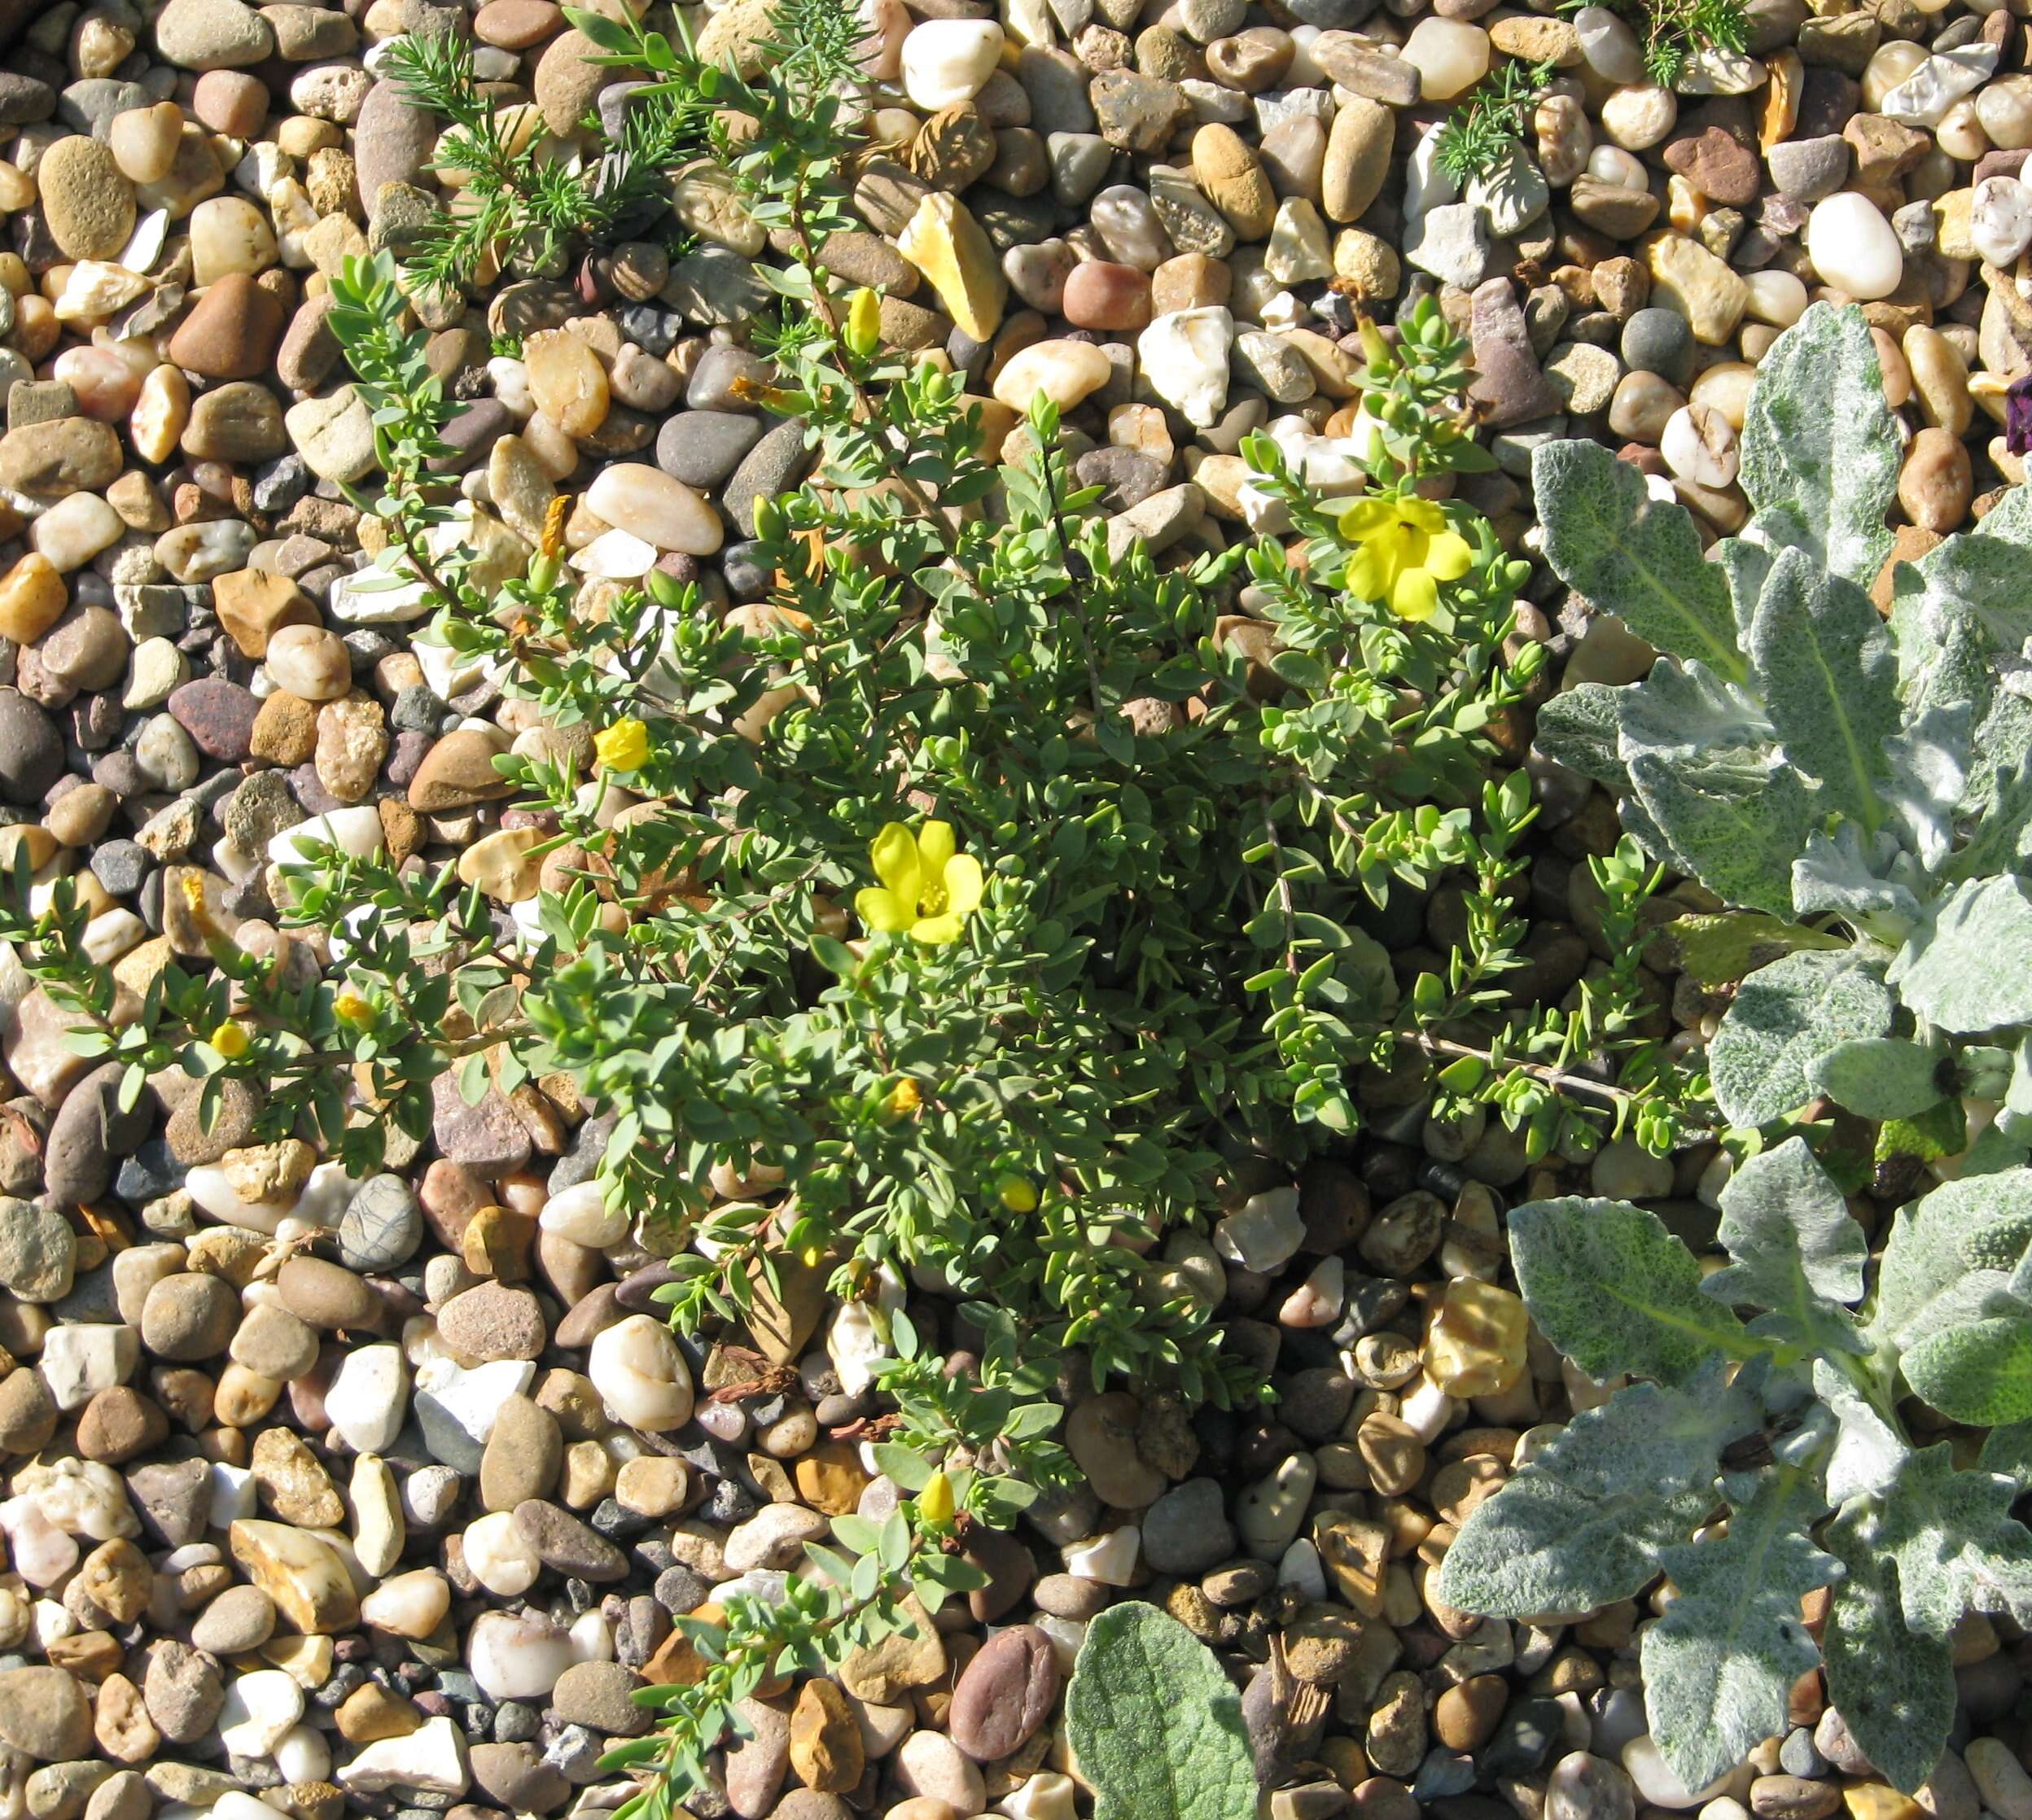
[[1852, 248], [656, 507], [948, 61], [1776, 297], [1066, 372], [1450, 56], [309, 662]]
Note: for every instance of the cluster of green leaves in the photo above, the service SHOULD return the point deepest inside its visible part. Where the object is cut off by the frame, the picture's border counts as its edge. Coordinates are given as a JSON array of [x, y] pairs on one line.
[[1487, 128], [523, 200], [1862, 790], [1189, 836], [1790, 1425]]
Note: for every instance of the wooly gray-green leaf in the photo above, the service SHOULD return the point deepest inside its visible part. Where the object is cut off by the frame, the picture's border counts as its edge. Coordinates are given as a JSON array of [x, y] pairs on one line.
[[1801, 757], [1776, 1440]]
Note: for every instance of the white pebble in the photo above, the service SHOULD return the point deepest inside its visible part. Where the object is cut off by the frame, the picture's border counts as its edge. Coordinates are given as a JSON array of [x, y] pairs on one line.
[[1699, 446], [1778, 298], [259, 1708], [498, 1557], [582, 1214], [367, 1396], [635, 1366], [1999, 219], [947, 61], [1852, 248]]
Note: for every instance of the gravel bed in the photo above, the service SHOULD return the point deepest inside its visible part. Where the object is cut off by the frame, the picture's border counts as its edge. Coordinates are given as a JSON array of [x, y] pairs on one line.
[[393, 1522]]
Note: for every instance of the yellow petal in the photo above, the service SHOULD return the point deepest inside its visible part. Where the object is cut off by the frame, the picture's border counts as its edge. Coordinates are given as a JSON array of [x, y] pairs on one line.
[[962, 879], [883, 912], [1369, 572], [935, 931], [1421, 514], [1447, 557], [1366, 517], [1414, 596], [894, 855], [934, 846]]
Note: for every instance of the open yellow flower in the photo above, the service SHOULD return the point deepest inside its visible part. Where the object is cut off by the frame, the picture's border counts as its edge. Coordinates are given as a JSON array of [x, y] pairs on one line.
[[1404, 550], [230, 1040], [624, 747], [927, 890]]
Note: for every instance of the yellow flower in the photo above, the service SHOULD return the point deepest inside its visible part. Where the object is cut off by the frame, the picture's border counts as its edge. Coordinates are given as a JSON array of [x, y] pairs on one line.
[[1403, 551], [351, 1008], [624, 747], [927, 890], [230, 1040], [904, 1099], [935, 1502], [864, 323]]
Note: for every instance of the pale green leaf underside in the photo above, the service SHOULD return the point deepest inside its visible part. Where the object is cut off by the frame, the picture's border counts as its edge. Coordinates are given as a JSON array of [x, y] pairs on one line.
[[1784, 1018], [1614, 1291], [1630, 555], [1893, 1687], [1718, 1667], [1830, 681], [1968, 966], [1880, 1077], [1156, 1726], [1981, 1374], [1820, 454]]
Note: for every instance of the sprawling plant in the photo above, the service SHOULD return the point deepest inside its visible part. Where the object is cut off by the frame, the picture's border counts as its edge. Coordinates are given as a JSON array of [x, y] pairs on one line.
[[1761, 1459], [1863, 789]]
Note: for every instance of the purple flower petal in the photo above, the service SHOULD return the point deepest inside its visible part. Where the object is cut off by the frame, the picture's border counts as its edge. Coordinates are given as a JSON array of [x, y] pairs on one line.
[[2017, 416]]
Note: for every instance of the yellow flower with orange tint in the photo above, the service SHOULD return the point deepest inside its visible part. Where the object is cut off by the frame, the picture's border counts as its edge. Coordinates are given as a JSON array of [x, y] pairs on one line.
[[928, 890], [624, 747], [1404, 550]]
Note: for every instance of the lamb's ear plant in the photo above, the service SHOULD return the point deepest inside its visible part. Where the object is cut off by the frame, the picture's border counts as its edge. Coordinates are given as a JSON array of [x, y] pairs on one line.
[[1864, 787], [1155, 1726], [1762, 1457]]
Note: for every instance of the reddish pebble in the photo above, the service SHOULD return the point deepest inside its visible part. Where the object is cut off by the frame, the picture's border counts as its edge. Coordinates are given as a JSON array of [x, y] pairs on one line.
[[516, 24], [1101, 295], [230, 101]]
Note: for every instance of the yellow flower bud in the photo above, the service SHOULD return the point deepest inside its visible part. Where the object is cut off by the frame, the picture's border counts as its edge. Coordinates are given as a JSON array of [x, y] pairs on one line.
[[935, 1502], [624, 747], [904, 1099], [1017, 1194], [230, 1040], [350, 1007], [864, 323]]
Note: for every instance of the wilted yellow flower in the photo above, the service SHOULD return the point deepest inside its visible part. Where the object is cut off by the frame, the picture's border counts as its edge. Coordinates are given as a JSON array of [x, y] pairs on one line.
[[927, 889], [1403, 551], [624, 747], [864, 323], [904, 1099], [230, 1040]]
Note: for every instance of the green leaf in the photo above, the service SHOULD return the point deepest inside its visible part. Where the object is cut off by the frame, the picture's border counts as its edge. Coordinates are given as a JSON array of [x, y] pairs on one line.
[[1879, 1077], [1981, 1374], [1829, 679], [1614, 1291], [1631, 556], [1737, 826], [1952, 1257], [1718, 1667], [1893, 1687], [1819, 451], [1584, 1523], [1953, 1539], [2008, 1450], [1968, 965], [1154, 1724], [1796, 1250], [1720, 950], [1785, 1018], [1578, 728]]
